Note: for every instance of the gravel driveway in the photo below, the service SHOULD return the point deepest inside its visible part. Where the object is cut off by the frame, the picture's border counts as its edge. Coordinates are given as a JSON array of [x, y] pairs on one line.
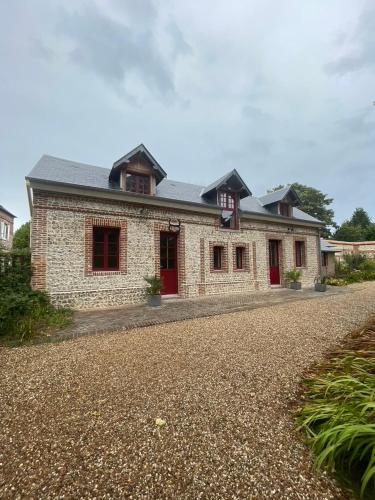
[[78, 418]]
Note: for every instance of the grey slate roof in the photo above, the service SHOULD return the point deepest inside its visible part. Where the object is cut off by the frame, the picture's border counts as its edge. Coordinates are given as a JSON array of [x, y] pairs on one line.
[[277, 195], [57, 170], [2, 209], [326, 247]]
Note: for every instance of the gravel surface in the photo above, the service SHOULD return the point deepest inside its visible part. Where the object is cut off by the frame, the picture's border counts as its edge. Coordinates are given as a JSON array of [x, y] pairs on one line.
[[78, 419]]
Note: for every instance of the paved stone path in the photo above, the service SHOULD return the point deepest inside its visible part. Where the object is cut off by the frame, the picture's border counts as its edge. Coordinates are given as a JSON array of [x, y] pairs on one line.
[[135, 316]]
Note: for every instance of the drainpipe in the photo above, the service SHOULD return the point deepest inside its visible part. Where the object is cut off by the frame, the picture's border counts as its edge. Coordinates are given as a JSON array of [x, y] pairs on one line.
[[30, 199]]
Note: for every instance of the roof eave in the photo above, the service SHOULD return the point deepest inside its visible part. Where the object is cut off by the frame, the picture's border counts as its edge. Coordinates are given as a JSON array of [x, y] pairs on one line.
[[280, 218], [2, 209], [160, 201]]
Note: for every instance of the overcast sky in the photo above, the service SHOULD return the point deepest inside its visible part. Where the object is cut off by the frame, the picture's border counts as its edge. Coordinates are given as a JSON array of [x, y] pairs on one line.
[[281, 91]]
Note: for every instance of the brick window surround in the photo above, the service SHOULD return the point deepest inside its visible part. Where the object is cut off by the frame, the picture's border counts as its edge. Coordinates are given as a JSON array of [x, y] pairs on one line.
[[302, 241], [90, 223], [245, 257], [224, 256]]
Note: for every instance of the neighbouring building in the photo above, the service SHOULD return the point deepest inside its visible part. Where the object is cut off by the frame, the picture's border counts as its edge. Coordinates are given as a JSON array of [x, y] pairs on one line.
[[6, 228], [96, 232], [329, 253], [344, 247]]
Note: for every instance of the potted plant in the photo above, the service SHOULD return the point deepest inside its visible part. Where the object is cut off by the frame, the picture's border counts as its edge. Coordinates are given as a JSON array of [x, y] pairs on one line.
[[153, 290], [320, 284], [293, 277]]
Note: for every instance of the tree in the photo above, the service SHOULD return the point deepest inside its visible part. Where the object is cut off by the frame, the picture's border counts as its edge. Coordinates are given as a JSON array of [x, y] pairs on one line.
[[358, 228], [360, 218], [348, 232], [370, 233], [21, 238], [316, 204]]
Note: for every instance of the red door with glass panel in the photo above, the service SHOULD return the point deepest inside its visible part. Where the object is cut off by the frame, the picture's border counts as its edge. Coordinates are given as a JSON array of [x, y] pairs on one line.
[[168, 263], [274, 262]]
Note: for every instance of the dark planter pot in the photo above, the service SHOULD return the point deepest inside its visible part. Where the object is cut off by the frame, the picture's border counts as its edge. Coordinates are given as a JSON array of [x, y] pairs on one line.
[[320, 287], [154, 300], [295, 285]]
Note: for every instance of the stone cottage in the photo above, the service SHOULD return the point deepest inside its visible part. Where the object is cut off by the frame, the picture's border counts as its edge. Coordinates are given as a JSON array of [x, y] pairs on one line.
[[96, 232], [6, 228]]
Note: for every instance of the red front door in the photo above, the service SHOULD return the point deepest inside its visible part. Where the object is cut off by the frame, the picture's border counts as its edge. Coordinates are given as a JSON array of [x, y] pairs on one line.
[[168, 263], [274, 262]]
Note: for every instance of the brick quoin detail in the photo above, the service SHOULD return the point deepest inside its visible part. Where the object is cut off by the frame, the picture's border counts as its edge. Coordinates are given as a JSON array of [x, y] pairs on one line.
[[202, 287], [181, 270], [39, 246], [246, 262], [90, 223], [255, 272], [224, 246]]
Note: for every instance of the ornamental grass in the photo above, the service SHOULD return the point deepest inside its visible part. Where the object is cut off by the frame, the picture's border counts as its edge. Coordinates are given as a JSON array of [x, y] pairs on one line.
[[338, 413]]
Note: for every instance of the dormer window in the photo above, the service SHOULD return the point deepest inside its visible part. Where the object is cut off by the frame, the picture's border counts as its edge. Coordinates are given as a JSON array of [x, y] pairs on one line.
[[137, 172], [284, 209], [137, 183], [227, 201]]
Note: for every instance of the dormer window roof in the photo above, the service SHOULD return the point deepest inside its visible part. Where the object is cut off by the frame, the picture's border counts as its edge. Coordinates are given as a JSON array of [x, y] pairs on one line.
[[140, 153], [229, 182], [285, 195]]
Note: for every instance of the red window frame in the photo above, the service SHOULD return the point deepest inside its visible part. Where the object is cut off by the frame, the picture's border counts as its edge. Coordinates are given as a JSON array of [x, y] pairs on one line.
[[137, 183], [284, 209], [106, 247], [217, 258], [300, 253], [240, 258]]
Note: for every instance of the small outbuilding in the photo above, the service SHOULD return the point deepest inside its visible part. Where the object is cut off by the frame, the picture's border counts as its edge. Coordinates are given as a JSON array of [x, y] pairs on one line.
[[328, 253]]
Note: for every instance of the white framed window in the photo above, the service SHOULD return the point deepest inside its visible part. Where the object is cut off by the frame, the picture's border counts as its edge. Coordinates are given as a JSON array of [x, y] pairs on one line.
[[4, 231]]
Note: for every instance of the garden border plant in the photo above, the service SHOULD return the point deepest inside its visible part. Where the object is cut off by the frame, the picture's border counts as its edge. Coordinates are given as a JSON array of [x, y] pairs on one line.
[[25, 315], [337, 413], [354, 268]]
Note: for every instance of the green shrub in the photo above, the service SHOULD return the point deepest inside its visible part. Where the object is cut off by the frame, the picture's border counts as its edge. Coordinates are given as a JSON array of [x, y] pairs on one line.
[[154, 285], [368, 275], [354, 269], [354, 277], [293, 275], [367, 265], [353, 261], [23, 312]]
